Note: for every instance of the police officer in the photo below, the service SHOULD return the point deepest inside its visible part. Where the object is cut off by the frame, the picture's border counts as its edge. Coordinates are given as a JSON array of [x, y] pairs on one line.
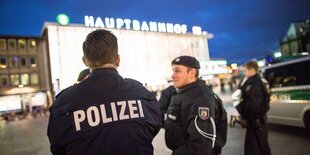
[[83, 75], [253, 109], [190, 127], [104, 114], [164, 101]]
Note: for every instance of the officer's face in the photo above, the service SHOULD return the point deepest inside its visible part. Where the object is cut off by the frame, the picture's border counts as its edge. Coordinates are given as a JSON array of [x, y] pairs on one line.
[[248, 72], [182, 75]]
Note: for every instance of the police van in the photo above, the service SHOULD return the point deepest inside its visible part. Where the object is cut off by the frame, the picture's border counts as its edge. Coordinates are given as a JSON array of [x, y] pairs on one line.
[[290, 92]]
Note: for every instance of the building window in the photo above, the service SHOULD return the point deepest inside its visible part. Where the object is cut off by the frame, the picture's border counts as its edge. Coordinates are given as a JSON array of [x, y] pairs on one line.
[[33, 62], [24, 79], [32, 43], [12, 44], [23, 62], [2, 44], [13, 61], [14, 79], [21, 44], [3, 63], [34, 78], [4, 80]]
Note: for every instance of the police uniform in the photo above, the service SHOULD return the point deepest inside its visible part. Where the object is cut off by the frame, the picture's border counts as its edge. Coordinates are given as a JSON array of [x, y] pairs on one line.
[[253, 108], [164, 101], [190, 127], [105, 115]]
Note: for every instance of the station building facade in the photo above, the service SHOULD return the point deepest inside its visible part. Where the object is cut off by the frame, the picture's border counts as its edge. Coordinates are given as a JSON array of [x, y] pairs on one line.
[[34, 69], [145, 55]]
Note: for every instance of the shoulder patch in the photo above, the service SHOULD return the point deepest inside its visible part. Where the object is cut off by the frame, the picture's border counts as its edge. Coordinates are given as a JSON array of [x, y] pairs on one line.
[[203, 113]]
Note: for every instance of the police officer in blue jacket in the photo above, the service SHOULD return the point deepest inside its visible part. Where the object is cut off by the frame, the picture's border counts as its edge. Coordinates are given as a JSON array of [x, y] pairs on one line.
[[104, 114], [190, 125]]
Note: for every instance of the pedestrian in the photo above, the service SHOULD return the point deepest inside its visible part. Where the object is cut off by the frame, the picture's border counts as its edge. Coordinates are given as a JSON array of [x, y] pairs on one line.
[[104, 114], [253, 108], [164, 101], [190, 127]]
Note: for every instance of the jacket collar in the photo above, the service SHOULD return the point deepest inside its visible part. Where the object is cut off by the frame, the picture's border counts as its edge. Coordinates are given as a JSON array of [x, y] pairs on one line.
[[98, 71], [191, 85]]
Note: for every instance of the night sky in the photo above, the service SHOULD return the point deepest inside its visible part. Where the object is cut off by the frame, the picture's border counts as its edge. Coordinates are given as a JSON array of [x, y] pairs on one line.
[[243, 29]]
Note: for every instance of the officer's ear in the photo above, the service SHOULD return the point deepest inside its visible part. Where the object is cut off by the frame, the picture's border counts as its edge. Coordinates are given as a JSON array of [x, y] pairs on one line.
[[192, 72], [84, 60], [118, 59]]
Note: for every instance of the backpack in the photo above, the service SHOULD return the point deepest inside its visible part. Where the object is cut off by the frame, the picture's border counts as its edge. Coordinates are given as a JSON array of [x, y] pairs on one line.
[[267, 93], [221, 125]]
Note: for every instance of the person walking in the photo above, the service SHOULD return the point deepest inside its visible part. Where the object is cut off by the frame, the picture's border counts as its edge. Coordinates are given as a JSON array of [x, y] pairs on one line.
[[104, 114]]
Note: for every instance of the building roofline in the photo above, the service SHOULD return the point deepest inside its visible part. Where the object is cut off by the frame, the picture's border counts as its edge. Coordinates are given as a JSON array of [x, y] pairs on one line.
[[56, 24], [20, 36]]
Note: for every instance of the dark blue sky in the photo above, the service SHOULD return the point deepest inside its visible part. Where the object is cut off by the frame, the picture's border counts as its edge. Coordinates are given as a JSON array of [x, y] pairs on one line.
[[243, 29]]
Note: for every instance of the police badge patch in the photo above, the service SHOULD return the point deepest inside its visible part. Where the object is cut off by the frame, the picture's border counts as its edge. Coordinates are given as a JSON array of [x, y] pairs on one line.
[[203, 112]]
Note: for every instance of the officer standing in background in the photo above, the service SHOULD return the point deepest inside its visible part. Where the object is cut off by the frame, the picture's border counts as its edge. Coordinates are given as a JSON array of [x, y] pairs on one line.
[[164, 101], [190, 127], [83, 75], [104, 114], [253, 109]]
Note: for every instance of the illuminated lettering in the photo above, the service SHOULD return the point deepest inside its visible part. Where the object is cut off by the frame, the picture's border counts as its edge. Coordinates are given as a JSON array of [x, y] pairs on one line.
[[119, 23], [177, 28], [89, 21], [109, 22], [196, 30], [99, 22], [169, 27], [153, 26], [184, 28], [127, 23], [140, 26], [136, 25], [161, 27], [144, 26]]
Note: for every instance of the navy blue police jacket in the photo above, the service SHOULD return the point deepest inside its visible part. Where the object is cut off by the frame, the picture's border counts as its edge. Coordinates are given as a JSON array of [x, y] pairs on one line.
[[189, 129], [104, 115]]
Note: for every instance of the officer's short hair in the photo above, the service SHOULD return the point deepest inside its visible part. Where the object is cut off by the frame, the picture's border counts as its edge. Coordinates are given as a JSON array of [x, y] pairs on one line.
[[100, 47], [251, 65]]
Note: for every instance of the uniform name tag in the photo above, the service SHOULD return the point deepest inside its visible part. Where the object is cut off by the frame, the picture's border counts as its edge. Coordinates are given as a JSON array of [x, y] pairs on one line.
[[120, 110]]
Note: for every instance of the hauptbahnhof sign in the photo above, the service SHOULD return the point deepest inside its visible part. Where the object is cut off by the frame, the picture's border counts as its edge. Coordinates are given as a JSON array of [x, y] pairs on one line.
[[136, 25]]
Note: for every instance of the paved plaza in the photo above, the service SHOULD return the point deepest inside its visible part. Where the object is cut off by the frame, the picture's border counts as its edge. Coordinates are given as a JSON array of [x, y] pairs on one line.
[[28, 137]]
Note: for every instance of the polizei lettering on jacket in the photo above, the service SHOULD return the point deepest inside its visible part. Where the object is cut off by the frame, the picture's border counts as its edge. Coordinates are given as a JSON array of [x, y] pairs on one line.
[[120, 110]]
